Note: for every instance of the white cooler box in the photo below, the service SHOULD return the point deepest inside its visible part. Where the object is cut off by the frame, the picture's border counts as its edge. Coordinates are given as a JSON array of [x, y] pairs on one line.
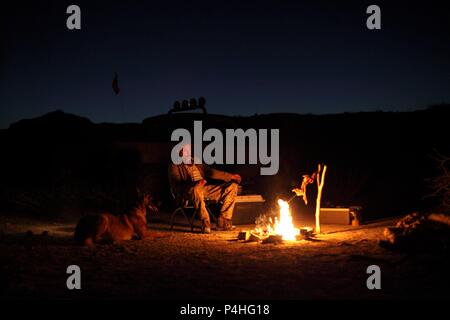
[[335, 215]]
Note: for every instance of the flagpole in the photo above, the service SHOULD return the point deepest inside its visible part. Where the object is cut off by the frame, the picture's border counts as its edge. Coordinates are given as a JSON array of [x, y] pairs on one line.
[[122, 105], [116, 89]]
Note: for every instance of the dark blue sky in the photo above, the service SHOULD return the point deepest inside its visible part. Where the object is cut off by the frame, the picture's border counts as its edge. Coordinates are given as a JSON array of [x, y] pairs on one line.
[[245, 57]]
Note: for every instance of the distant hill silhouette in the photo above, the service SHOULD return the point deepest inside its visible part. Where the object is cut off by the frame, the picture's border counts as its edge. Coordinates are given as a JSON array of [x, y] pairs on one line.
[[380, 160], [55, 120]]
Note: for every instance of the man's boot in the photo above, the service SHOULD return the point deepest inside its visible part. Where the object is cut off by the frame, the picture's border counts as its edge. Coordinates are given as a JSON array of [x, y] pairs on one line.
[[206, 226], [224, 224], [229, 225]]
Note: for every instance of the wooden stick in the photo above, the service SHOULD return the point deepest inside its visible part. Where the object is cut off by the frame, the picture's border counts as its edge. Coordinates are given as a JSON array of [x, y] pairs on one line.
[[320, 181], [292, 198]]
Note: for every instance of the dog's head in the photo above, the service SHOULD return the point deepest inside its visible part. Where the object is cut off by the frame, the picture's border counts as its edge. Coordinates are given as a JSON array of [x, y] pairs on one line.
[[147, 201]]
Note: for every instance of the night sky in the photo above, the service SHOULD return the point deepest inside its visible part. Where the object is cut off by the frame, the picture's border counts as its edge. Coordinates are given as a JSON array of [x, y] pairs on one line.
[[245, 57]]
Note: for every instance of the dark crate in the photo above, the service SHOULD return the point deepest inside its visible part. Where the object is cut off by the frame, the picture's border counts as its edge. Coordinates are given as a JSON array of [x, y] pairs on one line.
[[247, 209]]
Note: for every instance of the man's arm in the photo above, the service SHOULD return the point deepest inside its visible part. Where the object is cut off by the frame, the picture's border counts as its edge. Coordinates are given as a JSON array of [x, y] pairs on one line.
[[220, 175]]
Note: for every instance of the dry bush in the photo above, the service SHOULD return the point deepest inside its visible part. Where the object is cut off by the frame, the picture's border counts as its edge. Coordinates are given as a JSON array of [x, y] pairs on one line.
[[441, 183]]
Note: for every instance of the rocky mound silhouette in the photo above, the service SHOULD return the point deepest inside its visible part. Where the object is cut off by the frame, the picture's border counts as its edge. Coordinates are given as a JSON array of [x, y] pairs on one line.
[[380, 160]]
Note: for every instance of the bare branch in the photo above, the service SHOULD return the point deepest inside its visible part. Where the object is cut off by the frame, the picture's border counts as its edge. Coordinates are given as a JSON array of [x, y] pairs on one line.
[[440, 185]]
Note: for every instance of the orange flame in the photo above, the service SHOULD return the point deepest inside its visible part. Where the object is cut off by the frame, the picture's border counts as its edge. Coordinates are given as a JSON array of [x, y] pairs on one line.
[[284, 225]]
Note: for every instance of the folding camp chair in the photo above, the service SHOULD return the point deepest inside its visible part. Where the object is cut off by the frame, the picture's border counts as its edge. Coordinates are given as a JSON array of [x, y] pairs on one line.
[[188, 211]]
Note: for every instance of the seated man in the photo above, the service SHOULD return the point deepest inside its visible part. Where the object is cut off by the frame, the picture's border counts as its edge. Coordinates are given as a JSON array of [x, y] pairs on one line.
[[188, 183]]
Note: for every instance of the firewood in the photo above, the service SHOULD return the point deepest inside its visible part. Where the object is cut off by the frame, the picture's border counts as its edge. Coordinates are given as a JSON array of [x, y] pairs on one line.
[[416, 232], [275, 238], [254, 238], [305, 233], [441, 218], [392, 234], [244, 235]]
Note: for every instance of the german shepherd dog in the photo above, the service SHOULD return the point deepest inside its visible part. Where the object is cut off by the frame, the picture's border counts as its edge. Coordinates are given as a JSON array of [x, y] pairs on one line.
[[109, 228]]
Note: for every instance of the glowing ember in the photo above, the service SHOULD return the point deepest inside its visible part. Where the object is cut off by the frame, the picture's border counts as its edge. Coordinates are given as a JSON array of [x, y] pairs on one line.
[[284, 226]]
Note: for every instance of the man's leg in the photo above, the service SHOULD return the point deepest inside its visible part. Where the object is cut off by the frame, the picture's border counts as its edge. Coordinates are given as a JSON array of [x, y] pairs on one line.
[[226, 194], [228, 200], [197, 196]]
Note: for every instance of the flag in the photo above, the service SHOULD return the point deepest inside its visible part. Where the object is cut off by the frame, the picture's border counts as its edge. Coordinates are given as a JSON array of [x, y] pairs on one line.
[[115, 84]]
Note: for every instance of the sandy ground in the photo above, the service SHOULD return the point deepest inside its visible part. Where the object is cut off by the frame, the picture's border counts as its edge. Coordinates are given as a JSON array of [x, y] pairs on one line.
[[181, 264]]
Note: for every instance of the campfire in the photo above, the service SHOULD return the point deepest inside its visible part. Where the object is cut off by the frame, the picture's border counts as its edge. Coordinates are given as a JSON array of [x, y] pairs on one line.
[[276, 229], [281, 228]]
